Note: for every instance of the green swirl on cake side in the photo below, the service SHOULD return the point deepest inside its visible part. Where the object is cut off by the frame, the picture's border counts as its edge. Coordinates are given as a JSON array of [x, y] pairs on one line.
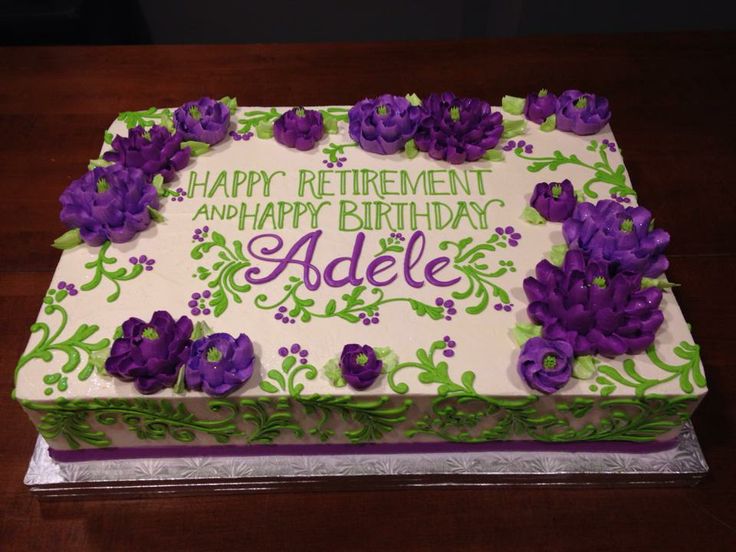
[[602, 170], [99, 265]]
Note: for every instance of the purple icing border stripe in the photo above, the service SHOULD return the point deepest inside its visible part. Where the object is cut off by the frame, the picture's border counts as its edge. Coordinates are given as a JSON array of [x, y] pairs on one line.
[[116, 453]]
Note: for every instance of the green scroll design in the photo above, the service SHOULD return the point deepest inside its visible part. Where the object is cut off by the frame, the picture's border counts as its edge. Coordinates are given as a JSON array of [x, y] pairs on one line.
[[145, 118], [74, 347], [689, 374], [230, 262], [115, 276], [149, 419], [472, 261], [371, 417], [602, 170]]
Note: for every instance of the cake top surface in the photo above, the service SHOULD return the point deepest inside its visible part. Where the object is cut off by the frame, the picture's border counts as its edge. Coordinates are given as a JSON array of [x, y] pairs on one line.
[[314, 250]]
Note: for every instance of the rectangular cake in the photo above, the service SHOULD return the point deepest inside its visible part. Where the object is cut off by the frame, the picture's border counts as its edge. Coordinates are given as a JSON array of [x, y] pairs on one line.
[[400, 275]]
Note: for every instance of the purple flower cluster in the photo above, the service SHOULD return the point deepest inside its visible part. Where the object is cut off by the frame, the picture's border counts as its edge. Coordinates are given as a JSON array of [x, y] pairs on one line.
[[144, 261], [237, 137], [109, 203], [575, 111], [620, 199], [282, 315], [339, 163], [622, 236], [384, 124], [555, 201], [180, 194], [448, 305], [457, 130], [507, 307], [610, 145], [205, 120], [154, 151], [299, 128], [68, 287], [513, 144], [450, 344], [397, 236], [368, 320], [509, 235], [594, 310], [200, 234], [295, 349], [198, 303]]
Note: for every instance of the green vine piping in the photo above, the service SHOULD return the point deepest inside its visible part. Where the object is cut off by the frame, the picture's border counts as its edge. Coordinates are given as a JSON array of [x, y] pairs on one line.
[[602, 170], [460, 414], [688, 374], [471, 260], [373, 417], [145, 118], [231, 261], [72, 346], [99, 265], [362, 301]]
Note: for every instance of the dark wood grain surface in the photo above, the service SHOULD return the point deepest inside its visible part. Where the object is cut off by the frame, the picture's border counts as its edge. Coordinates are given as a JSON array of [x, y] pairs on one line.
[[673, 99]]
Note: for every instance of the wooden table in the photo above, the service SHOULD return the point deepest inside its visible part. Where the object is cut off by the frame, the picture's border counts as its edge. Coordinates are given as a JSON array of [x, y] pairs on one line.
[[673, 98]]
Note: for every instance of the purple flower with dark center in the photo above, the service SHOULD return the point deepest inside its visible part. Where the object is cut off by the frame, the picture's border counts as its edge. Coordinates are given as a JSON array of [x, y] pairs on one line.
[[205, 120], [582, 113], [555, 201], [596, 313], [219, 364], [359, 365], [109, 203], [539, 106], [154, 151], [546, 365], [509, 235], [622, 236], [457, 129], [150, 353], [384, 124], [299, 128]]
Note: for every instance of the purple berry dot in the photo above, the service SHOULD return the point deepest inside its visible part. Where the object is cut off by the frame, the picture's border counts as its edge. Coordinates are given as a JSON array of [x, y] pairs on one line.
[[507, 308], [509, 229], [515, 236], [292, 321], [446, 338], [374, 320], [295, 348], [206, 311], [302, 361], [133, 260], [605, 141], [73, 292], [196, 295], [366, 322], [330, 165], [303, 353], [283, 351], [439, 301], [282, 309], [285, 320], [529, 149], [324, 161], [498, 306], [513, 243], [449, 303], [195, 311], [205, 229], [339, 163], [452, 311], [521, 143], [278, 316], [149, 267], [361, 315], [448, 352], [512, 143], [198, 231], [499, 231], [206, 294], [343, 159], [448, 318], [61, 285], [192, 303]]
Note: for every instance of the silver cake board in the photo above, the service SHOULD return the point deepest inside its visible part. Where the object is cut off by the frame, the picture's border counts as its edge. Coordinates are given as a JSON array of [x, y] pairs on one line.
[[48, 479]]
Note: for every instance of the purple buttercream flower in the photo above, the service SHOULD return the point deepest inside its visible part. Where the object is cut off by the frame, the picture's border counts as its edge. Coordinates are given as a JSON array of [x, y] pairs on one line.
[[154, 151], [539, 106], [205, 120], [359, 365], [108, 203], [555, 201], [384, 124], [457, 129], [299, 128], [150, 353], [596, 313], [219, 364], [546, 365], [608, 231], [582, 113]]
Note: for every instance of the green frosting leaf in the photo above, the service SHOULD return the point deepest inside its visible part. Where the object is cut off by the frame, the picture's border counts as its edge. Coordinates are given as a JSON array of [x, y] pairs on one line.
[[231, 103], [389, 358], [549, 124], [660, 283], [532, 216], [330, 124], [70, 238], [557, 255], [580, 196], [264, 130], [333, 373], [197, 148], [584, 367], [201, 329], [158, 183], [410, 148], [493, 155], [155, 214], [180, 387], [524, 332], [94, 163], [514, 128], [513, 105], [109, 137], [413, 99], [167, 122]]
